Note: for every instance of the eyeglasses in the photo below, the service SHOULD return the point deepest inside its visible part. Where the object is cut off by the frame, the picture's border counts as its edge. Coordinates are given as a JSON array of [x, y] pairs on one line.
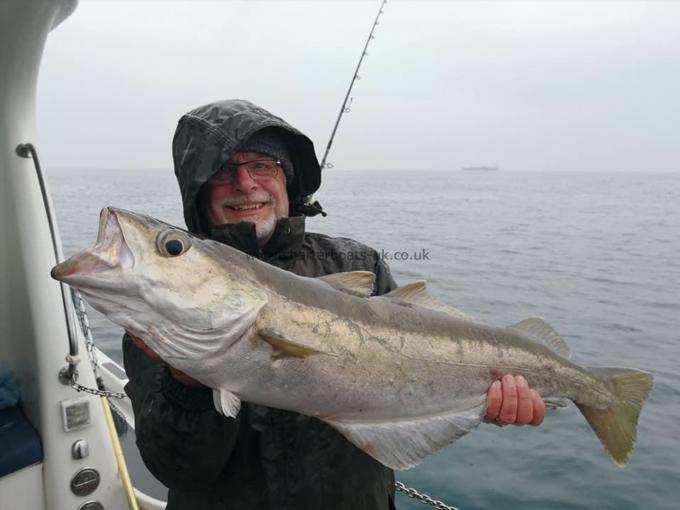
[[257, 169]]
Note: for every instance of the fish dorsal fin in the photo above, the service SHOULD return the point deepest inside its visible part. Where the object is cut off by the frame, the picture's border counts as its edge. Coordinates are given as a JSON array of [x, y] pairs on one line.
[[285, 348], [356, 283], [416, 293], [403, 444], [543, 332]]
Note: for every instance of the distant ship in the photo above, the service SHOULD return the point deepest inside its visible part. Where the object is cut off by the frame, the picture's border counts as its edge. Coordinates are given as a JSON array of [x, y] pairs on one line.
[[481, 168]]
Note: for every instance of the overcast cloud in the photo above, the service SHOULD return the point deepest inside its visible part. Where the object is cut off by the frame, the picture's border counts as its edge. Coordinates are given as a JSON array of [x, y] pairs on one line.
[[527, 85]]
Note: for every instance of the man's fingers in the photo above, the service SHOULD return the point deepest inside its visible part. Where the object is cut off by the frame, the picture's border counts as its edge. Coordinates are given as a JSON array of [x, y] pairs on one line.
[[508, 412], [512, 401], [525, 405], [494, 398], [539, 409]]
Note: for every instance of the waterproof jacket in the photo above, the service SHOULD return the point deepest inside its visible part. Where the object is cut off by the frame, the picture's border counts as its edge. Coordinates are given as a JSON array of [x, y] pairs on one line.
[[209, 135], [264, 458]]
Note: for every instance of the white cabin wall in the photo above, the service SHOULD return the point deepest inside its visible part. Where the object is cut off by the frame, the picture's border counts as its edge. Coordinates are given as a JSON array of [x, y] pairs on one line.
[[33, 329]]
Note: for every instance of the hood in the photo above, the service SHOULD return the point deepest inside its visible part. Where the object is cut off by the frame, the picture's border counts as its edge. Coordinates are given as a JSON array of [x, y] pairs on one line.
[[211, 134]]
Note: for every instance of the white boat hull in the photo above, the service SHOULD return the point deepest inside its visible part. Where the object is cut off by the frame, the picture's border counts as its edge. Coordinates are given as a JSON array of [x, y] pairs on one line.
[[34, 334]]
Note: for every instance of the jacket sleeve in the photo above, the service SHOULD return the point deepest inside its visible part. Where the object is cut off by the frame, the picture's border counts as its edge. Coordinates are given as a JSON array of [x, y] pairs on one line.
[[183, 440]]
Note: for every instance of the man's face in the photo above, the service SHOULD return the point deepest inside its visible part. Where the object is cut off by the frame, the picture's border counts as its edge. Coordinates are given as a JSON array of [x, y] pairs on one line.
[[261, 201]]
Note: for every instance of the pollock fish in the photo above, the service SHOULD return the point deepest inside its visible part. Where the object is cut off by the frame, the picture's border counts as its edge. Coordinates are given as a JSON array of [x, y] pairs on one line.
[[400, 375]]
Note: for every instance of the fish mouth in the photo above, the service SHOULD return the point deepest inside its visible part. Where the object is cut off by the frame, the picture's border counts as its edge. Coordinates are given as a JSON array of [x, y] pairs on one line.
[[109, 252]]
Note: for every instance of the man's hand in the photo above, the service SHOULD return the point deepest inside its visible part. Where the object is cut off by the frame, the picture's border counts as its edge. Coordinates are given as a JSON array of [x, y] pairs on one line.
[[177, 374], [510, 401]]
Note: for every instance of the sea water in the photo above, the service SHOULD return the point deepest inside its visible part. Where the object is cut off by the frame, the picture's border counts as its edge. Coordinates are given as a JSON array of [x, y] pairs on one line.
[[597, 255]]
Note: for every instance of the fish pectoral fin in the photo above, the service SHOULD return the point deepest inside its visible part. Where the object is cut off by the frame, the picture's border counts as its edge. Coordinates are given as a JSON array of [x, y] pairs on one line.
[[416, 293], [284, 348], [405, 443], [226, 403], [355, 283], [543, 332]]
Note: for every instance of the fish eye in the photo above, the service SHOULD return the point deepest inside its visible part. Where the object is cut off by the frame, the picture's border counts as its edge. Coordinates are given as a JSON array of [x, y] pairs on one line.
[[174, 247], [172, 243]]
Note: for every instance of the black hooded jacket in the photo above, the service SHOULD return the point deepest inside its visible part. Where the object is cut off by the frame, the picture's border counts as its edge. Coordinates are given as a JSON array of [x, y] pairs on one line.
[[264, 458]]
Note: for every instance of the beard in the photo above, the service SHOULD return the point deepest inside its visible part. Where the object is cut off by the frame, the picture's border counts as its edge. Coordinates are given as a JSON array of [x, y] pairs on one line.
[[264, 227]]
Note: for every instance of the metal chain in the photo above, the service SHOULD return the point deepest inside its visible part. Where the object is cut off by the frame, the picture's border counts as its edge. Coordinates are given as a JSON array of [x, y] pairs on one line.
[[81, 313], [423, 498], [93, 391]]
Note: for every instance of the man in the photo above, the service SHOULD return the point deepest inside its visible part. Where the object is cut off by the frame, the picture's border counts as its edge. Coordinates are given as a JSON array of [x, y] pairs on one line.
[[244, 175]]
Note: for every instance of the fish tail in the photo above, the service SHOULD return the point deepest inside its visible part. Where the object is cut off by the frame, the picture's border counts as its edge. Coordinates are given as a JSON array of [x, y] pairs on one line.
[[616, 425]]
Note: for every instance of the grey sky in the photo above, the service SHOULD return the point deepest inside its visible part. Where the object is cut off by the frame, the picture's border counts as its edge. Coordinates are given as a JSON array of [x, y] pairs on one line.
[[528, 85]]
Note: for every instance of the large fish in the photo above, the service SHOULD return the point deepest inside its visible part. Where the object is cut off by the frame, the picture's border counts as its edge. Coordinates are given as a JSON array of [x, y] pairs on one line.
[[400, 376]]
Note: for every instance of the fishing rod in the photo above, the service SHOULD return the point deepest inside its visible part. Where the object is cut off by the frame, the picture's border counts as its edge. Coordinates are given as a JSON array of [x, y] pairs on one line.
[[344, 108]]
